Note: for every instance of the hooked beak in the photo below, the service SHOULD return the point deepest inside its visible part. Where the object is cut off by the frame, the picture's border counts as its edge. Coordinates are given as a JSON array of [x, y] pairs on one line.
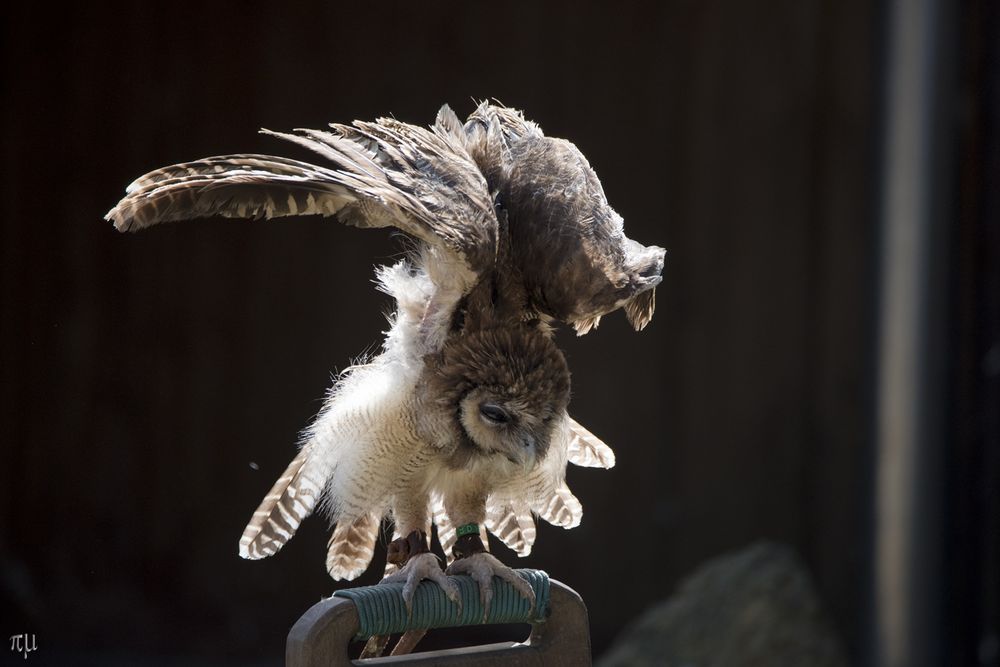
[[524, 454]]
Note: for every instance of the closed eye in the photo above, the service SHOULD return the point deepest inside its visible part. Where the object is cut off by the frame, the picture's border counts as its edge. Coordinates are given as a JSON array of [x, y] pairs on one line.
[[494, 413]]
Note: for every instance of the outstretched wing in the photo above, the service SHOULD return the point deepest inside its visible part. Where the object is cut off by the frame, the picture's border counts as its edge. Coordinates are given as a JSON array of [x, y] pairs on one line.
[[380, 174]]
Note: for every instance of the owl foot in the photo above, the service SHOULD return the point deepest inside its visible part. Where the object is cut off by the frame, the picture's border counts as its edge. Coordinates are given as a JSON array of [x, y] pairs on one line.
[[482, 567], [419, 567], [416, 563]]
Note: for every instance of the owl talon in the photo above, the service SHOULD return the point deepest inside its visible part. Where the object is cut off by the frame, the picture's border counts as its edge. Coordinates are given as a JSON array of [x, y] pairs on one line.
[[482, 567], [419, 567]]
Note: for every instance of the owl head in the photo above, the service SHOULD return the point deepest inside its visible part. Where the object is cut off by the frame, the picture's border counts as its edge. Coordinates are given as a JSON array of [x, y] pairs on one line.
[[502, 392]]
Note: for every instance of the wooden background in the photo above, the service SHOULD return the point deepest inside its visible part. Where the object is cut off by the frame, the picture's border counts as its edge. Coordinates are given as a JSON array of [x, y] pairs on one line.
[[142, 375]]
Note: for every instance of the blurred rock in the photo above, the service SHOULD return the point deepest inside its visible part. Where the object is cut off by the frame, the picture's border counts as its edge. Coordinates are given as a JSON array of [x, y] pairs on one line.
[[757, 606]]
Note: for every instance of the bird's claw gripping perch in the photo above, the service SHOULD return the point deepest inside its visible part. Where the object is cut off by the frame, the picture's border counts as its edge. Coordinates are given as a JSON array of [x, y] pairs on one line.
[[418, 563], [471, 558]]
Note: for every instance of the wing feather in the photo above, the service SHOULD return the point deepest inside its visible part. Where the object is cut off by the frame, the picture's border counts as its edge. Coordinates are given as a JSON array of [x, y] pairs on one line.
[[352, 546], [561, 508], [380, 174], [586, 449], [292, 498], [257, 186], [218, 164], [511, 511], [514, 525]]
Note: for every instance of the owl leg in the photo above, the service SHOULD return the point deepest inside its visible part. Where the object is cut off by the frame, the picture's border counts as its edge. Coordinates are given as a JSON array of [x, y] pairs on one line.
[[376, 644], [467, 510], [418, 563], [471, 558], [412, 553]]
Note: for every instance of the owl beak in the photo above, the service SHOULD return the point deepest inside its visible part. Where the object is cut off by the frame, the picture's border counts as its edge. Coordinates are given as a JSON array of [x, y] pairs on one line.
[[524, 454]]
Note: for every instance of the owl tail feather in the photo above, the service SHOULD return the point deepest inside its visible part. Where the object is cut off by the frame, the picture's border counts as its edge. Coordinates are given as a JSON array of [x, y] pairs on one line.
[[291, 499]]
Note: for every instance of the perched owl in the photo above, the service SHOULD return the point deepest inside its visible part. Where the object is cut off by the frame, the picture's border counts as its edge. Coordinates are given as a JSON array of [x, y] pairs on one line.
[[461, 420], [476, 434]]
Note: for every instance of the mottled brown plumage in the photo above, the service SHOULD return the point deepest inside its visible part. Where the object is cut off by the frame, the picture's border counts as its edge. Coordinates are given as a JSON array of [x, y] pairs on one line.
[[463, 190], [570, 250]]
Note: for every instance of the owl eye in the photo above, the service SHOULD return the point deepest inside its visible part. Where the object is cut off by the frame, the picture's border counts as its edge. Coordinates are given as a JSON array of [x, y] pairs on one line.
[[494, 413]]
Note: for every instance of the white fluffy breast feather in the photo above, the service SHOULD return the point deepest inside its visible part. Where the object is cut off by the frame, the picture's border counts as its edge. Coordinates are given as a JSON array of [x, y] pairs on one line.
[[363, 440], [412, 289]]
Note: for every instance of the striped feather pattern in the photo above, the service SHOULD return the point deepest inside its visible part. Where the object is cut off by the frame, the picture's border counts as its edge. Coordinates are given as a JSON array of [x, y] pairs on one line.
[[514, 527], [379, 174], [586, 449], [291, 499], [252, 187], [562, 508], [352, 546], [219, 164]]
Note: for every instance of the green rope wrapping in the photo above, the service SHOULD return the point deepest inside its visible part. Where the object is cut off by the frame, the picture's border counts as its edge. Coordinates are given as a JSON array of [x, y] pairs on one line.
[[382, 612]]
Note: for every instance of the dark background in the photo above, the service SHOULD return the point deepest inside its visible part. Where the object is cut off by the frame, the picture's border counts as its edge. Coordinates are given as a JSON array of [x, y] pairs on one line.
[[143, 374]]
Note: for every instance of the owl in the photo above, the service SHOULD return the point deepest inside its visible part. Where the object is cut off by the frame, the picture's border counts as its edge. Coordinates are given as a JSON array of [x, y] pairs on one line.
[[461, 420], [471, 438]]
